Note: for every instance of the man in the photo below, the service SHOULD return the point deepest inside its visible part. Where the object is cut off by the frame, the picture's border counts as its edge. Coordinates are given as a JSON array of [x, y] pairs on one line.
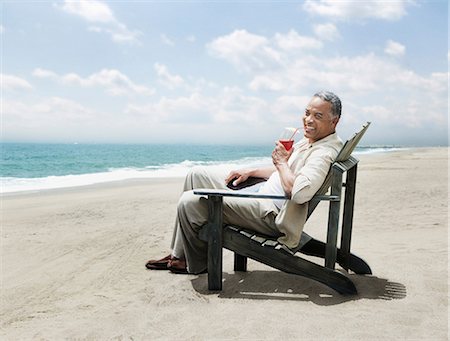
[[298, 173]]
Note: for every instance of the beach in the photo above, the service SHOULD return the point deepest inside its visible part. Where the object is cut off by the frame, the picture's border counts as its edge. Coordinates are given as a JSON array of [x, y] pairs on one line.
[[72, 265]]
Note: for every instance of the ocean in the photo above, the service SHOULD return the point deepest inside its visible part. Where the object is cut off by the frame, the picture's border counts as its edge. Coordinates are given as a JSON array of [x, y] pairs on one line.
[[35, 166]]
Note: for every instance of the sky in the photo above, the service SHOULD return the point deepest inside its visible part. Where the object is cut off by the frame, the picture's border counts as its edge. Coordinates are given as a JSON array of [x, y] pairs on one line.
[[227, 72]]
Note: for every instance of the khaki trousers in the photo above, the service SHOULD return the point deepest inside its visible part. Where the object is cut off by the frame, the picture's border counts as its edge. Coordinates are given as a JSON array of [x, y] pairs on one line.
[[192, 214]]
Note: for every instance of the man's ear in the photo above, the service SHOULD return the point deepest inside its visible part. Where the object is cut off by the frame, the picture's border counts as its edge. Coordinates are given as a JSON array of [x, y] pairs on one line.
[[335, 120]]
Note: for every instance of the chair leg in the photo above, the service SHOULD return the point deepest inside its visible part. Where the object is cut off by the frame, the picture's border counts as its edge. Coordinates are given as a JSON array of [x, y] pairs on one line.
[[240, 262], [215, 243], [316, 248], [333, 221], [347, 219]]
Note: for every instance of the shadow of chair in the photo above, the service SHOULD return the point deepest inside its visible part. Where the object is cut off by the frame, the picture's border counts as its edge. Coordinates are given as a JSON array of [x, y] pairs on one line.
[[278, 285]]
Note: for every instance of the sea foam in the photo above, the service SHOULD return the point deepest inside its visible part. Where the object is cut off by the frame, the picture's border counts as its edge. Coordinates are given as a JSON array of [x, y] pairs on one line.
[[179, 170]]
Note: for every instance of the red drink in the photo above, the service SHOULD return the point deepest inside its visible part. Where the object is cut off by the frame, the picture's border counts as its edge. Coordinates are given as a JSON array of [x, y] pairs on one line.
[[287, 144]]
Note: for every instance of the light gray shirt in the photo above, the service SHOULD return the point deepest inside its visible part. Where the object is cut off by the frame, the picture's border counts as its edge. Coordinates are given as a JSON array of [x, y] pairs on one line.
[[310, 163]]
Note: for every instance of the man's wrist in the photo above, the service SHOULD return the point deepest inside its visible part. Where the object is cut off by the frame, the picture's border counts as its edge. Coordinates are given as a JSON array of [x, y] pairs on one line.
[[281, 165], [251, 172]]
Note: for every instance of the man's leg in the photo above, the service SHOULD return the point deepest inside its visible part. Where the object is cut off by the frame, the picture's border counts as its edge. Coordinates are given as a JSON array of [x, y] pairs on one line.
[[192, 214], [203, 177], [198, 177], [254, 214]]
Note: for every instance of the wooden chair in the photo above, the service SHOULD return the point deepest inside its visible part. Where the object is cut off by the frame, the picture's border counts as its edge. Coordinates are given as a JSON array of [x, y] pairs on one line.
[[267, 250]]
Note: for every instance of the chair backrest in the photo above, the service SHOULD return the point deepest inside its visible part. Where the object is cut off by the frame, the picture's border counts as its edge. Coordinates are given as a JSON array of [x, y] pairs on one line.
[[343, 157], [351, 144]]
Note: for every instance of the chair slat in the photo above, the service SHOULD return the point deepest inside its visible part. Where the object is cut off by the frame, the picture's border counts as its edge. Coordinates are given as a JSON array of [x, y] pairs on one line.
[[245, 233], [271, 243], [234, 228], [350, 145], [258, 239], [344, 161]]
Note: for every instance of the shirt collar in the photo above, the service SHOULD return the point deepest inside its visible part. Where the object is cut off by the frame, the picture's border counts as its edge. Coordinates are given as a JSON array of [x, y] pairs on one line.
[[305, 142], [327, 138]]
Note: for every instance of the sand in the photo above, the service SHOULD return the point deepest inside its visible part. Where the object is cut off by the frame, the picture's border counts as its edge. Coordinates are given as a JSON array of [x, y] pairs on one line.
[[73, 266]]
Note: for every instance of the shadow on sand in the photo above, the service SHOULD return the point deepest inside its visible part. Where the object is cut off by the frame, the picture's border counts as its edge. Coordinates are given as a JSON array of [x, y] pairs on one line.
[[277, 285]]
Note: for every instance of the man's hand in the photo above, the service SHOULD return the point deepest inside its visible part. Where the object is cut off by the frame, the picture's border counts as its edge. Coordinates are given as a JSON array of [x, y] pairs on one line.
[[243, 174], [239, 175], [280, 155]]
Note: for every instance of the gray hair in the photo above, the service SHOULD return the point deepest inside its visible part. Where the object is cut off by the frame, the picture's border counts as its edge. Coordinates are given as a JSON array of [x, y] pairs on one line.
[[328, 96]]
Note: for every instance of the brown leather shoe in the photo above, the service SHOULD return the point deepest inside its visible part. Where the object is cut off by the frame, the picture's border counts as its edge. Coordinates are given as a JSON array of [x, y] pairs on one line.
[[160, 264], [177, 266]]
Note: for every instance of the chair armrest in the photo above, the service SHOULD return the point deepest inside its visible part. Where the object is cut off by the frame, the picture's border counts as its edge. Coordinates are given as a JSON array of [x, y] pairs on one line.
[[326, 198], [229, 193]]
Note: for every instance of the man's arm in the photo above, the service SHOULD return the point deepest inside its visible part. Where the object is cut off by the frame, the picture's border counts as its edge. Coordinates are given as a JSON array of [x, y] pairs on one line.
[[311, 176], [280, 157]]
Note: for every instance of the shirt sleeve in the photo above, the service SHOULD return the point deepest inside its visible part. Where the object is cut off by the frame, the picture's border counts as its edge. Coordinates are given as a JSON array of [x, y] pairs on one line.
[[311, 176]]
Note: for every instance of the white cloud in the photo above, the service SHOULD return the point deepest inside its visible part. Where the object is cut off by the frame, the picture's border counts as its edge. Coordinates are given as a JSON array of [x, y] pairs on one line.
[[359, 74], [233, 106], [191, 38], [289, 108], [394, 49], [2, 29], [243, 49], [90, 10], [266, 82], [11, 82], [42, 73], [185, 109], [46, 112], [99, 13], [120, 33], [113, 81], [252, 52], [357, 10], [63, 108], [368, 80], [53, 119], [166, 78], [228, 106], [166, 40], [326, 31], [293, 41]]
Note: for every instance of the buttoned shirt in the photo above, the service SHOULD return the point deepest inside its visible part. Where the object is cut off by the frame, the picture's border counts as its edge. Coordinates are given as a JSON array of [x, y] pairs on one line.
[[310, 163]]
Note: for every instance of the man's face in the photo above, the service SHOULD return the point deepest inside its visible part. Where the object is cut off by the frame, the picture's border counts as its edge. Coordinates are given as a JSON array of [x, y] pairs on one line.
[[318, 122]]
